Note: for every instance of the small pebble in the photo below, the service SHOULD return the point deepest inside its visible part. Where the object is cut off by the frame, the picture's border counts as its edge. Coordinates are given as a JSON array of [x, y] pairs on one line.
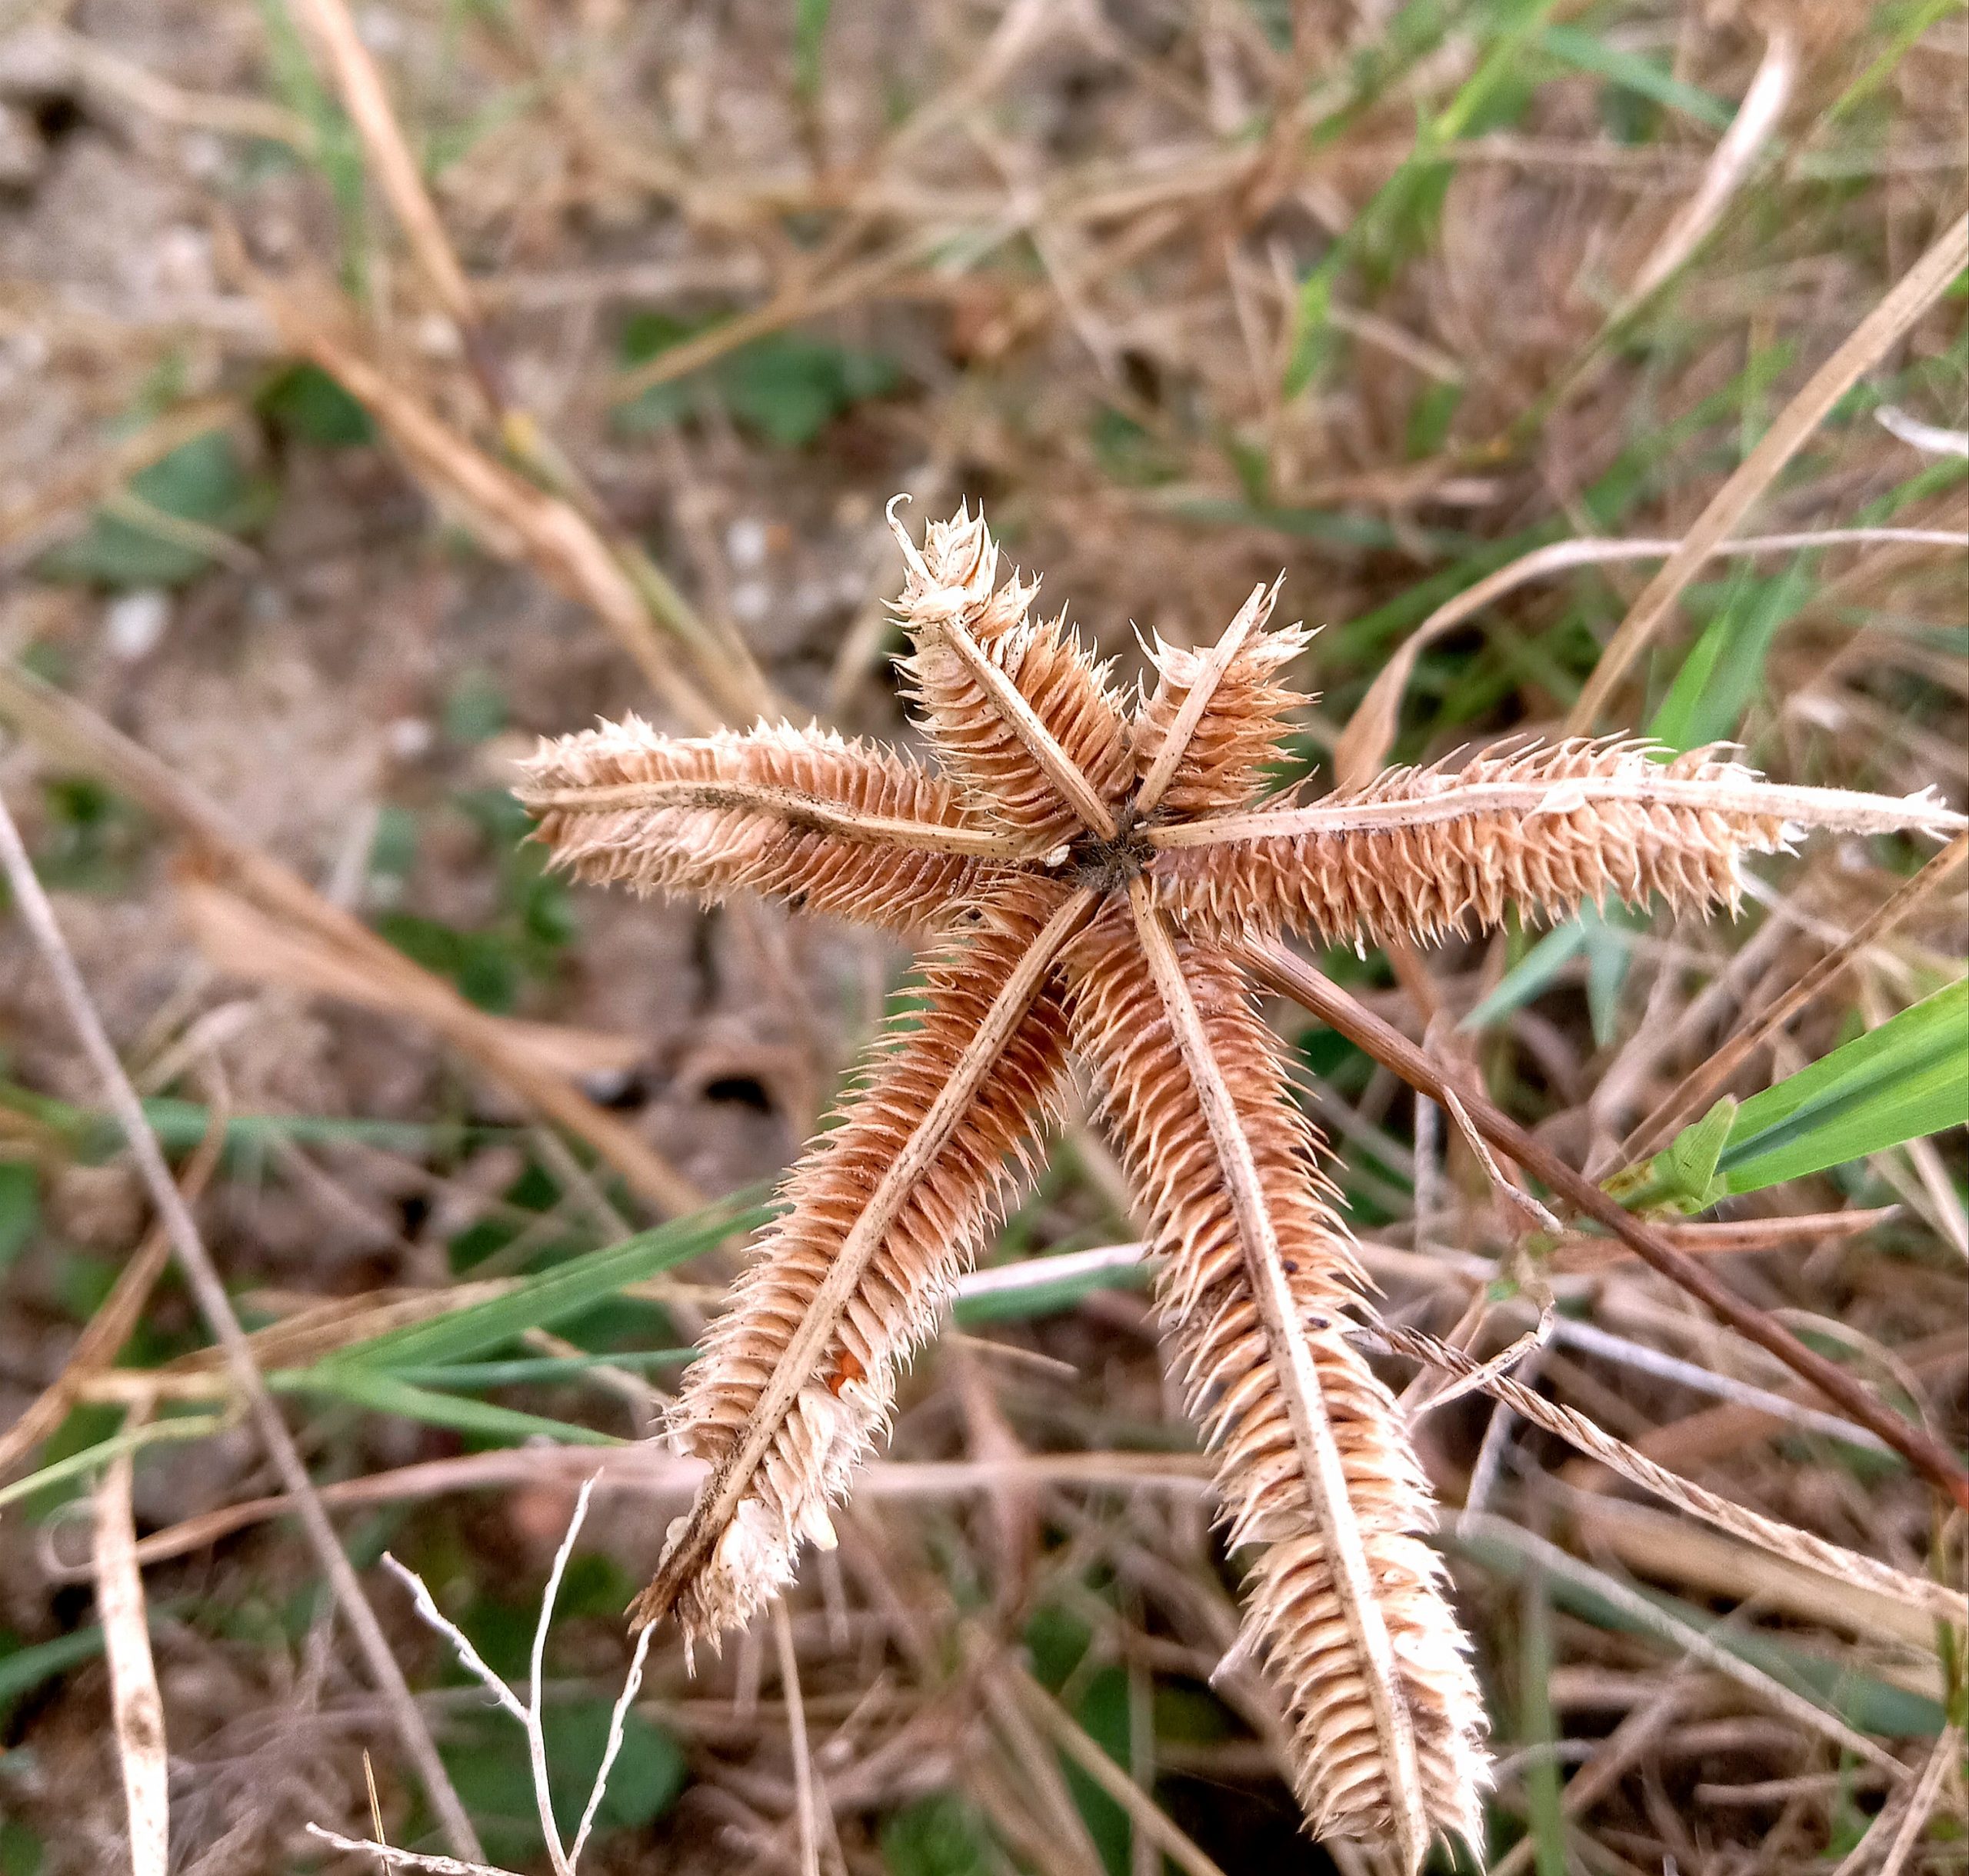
[[408, 737], [133, 625]]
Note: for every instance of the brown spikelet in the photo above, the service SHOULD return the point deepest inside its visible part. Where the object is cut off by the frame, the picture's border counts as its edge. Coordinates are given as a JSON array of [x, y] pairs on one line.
[[1233, 1377], [1084, 870], [1422, 852], [1222, 763], [953, 579], [793, 813], [843, 1408]]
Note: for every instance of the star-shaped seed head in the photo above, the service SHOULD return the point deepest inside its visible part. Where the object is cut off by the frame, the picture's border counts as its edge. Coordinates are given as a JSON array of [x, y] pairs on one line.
[[1085, 869]]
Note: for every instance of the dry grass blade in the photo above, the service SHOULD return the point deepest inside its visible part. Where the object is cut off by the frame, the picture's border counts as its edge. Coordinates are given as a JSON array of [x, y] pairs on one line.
[[240, 940], [216, 1307], [796, 1738], [1781, 1540], [136, 1707], [1915, 291], [1144, 1813], [1724, 174], [64, 728], [1290, 976], [361, 88], [1370, 734], [518, 518], [1922, 1802], [113, 1320], [1651, 1619]]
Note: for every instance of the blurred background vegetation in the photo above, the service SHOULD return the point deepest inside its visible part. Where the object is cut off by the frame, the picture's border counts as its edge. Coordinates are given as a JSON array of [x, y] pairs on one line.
[[382, 387]]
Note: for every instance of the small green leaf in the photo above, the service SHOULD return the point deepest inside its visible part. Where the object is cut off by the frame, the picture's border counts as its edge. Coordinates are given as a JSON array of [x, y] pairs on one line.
[[784, 387], [1683, 1174], [1646, 77], [305, 402], [810, 29], [20, 1849], [643, 1783], [939, 1835], [24, 1669], [1540, 966], [551, 1297], [20, 1207], [203, 482], [1906, 1079]]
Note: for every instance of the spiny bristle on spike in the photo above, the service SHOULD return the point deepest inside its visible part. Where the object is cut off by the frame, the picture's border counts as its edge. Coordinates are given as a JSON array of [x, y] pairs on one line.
[[1234, 1379], [777, 810], [843, 1408], [1422, 853], [1046, 664], [1244, 727]]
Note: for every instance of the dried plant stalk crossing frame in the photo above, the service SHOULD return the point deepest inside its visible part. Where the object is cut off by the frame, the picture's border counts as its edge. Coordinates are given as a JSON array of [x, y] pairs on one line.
[[1102, 879]]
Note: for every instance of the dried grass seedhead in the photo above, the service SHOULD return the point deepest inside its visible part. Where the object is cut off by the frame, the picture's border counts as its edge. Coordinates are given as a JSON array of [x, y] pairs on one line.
[[1086, 869], [776, 811]]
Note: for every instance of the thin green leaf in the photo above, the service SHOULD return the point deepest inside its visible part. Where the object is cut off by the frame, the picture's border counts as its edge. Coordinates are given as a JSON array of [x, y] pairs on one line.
[[1724, 674], [551, 1297], [188, 1426], [1539, 967], [1574, 46], [527, 1369], [1906, 1079], [385, 1393]]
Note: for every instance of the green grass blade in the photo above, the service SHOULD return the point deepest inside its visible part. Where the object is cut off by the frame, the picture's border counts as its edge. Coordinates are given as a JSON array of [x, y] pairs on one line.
[[1905, 1079], [385, 1393], [1724, 674], [527, 1370], [1574, 46], [1538, 968], [551, 1297], [189, 1427]]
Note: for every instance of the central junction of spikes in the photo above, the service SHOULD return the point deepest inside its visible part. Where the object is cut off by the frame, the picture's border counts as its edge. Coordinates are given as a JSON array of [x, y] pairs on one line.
[[1087, 874], [1107, 865]]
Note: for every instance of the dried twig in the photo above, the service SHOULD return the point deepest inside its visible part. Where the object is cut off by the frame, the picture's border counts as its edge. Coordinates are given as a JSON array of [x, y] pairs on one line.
[[1292, 977], [202, 1279], [1911, 296], [136, 1708], [1364, 743], [1781, 1540], [530, 1713]]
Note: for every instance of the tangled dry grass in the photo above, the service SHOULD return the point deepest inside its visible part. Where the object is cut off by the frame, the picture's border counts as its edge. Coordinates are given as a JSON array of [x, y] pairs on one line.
[[384, 388]]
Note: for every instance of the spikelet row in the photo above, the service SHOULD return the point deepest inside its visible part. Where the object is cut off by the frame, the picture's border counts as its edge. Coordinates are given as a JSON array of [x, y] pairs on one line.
[[1051, 668], [1231, 1375], [1591, 820], [708, 852], [1241, 729], [844, 1407]]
